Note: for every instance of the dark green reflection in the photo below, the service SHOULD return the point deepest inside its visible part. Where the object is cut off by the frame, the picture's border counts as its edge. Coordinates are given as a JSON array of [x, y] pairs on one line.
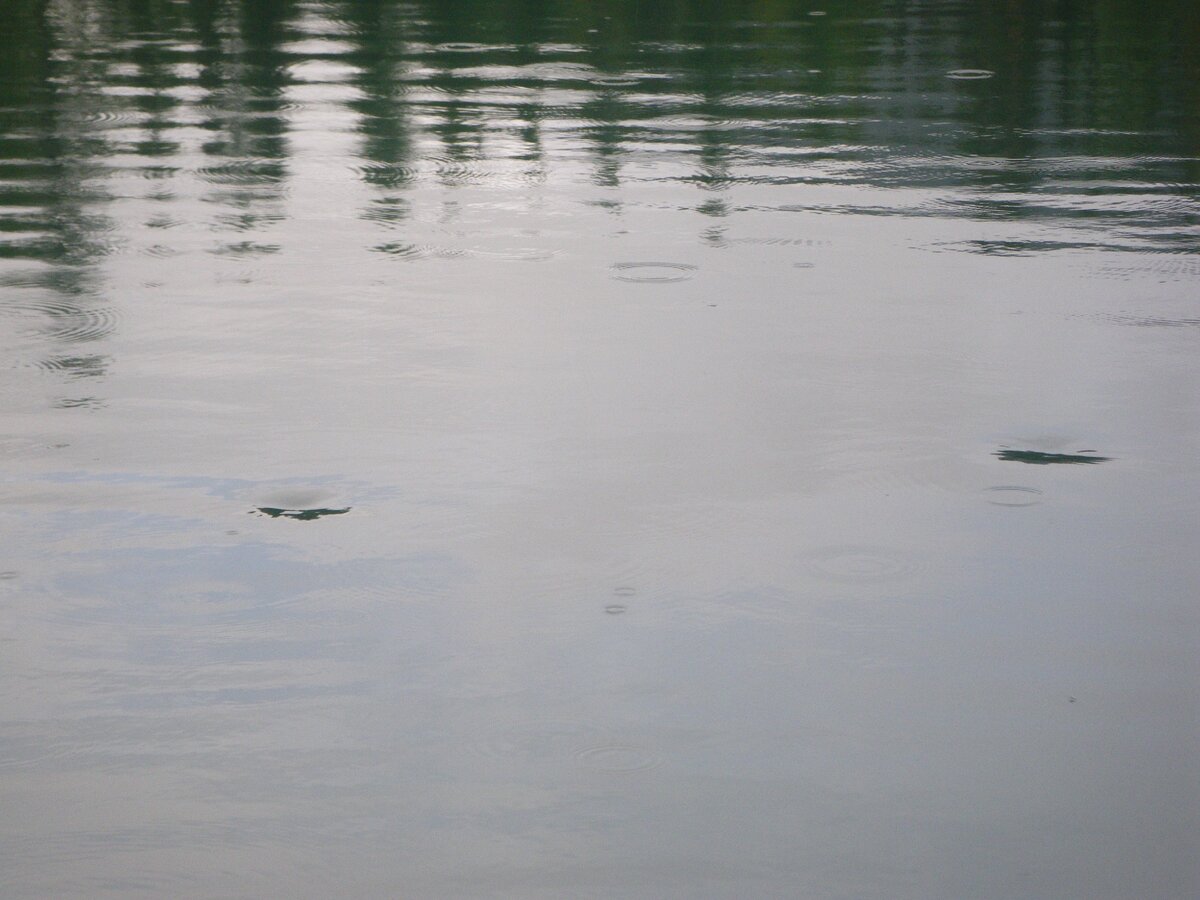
[[118, 116], [1037, 458], [304, 515]]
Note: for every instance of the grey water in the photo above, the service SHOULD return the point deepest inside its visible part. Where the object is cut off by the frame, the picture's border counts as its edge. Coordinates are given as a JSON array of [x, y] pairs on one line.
[[546, 449]]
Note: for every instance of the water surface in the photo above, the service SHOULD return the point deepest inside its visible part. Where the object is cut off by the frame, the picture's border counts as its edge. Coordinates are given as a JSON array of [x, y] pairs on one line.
[[556, 449]]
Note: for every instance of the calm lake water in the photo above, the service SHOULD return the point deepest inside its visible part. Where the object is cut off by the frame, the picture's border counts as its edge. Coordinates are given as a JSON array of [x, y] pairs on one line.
[[553, 449]]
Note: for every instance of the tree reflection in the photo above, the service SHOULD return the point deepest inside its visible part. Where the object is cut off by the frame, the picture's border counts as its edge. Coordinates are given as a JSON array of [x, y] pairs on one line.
[[112, 110]]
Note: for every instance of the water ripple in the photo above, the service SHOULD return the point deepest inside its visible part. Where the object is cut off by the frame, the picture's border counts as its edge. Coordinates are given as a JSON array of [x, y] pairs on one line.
[[652, 272], [619, 758], [67, 322], [864, 564], [1013, 495], [970, 74]]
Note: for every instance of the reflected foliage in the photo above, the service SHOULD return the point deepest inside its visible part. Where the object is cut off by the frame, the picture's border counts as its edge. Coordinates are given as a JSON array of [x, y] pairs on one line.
[[1038, 458], [304, 515], [113, 111]]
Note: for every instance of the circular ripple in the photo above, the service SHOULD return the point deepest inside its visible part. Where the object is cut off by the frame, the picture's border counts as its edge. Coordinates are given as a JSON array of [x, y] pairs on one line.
[[619, 758], [970, 74], [1013, 495], [652, 272], [860, 564], [73, 324], [383, 174], [542, 741], [115, 116], [404, 250]]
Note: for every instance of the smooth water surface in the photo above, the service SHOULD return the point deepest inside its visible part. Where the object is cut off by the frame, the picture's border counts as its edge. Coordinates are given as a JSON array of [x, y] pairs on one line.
[[611, 449]]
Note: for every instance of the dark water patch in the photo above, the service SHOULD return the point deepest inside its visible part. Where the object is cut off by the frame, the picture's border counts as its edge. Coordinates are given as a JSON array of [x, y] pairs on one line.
[[1038, 458], [304, 515], [303, 503]]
